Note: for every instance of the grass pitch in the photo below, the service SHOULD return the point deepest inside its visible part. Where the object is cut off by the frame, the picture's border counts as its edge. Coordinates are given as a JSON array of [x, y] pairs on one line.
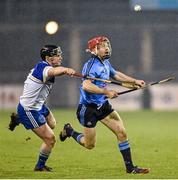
[[153, 137]]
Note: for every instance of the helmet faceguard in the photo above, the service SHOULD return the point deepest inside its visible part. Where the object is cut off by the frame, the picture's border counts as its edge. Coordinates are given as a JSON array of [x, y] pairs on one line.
[[56, 52], [95, 42], [50, 50]]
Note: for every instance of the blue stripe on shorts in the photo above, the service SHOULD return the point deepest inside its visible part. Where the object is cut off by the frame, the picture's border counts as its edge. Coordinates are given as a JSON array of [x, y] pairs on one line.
[[31, 119], [82, 114]]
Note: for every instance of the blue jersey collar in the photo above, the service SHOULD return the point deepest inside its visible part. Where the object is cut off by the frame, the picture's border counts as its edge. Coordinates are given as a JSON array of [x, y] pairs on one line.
[[96, 57], [45, 62]]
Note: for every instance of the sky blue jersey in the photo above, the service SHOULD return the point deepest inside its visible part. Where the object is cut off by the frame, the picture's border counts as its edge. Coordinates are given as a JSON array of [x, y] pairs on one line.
[[96, 68]]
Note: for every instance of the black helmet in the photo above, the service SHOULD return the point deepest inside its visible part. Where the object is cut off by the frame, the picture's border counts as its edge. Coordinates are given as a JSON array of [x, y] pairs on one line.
[[50, 50]]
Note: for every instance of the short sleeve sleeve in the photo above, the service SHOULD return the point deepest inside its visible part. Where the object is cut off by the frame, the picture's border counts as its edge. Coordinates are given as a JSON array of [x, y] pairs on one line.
[[41, 70], [45, 73], [89, 69]]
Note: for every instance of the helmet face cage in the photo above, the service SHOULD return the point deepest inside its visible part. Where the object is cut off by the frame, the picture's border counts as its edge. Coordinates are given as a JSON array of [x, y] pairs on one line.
[[50, 50], [56, 52], [97, 41], [108, 45]]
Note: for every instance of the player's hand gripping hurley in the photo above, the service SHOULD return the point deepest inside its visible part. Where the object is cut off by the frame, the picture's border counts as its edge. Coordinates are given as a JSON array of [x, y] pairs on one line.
[[148, 85], [132, 86]]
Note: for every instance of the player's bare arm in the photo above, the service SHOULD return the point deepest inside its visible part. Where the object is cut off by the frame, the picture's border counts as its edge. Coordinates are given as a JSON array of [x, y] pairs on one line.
[[123, 77], [58, 71], [92, 88]]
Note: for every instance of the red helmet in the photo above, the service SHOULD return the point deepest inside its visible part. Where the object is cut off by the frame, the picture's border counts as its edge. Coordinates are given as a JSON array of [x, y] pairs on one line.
[[95, 41]]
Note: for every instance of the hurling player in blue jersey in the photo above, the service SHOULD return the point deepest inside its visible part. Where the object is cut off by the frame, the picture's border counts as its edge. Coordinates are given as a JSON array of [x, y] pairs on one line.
[[94, 106], [32, 111]]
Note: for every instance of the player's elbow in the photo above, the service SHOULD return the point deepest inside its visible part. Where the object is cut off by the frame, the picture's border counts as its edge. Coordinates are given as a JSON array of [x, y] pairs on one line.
[[84, 88], [51, 72]]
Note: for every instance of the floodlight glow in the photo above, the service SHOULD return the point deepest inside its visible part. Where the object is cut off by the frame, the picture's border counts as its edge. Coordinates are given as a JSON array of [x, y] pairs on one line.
[[137, 7], [51, 27]]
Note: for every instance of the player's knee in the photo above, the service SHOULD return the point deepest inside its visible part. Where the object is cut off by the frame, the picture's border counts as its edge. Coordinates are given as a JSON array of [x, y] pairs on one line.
[[90, 146], [124, 134], [51, 140], [121, 133]]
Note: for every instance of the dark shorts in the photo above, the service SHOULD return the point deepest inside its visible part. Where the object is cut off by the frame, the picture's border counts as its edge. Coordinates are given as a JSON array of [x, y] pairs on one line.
[[88, 115]]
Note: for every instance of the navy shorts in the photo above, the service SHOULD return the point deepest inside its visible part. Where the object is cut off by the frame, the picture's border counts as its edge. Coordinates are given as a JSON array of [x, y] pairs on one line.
[[88, 115], [31, 118]]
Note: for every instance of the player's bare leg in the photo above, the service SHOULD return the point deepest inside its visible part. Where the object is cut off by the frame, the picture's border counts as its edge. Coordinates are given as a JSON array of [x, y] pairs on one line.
[[86, 139], [51, 121], [47, 135], [115, 124]]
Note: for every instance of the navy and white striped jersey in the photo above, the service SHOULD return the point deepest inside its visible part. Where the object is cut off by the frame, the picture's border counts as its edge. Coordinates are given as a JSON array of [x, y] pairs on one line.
[[96, 68], [37, 87]]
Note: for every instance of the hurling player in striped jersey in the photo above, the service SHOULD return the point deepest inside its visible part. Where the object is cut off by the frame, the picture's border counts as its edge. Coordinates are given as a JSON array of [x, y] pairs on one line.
[[32, 111]]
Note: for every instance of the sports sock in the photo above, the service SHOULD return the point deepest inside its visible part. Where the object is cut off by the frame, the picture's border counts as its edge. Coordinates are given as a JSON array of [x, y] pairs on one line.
[[126, 153], [43, 156], [77, 136]]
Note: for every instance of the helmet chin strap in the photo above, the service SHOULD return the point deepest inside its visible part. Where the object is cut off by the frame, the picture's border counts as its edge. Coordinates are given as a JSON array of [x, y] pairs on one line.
[[95, 53], [107, 56]]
